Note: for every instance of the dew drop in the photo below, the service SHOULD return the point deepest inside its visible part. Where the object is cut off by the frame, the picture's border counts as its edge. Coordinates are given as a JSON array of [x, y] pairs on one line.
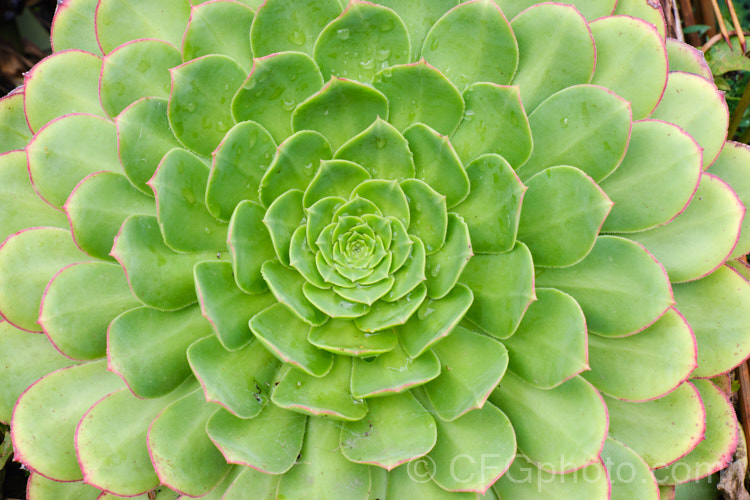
[[289, 104], [343, 33], [383, 54], [564, 123], [469, 115], [297, 37]]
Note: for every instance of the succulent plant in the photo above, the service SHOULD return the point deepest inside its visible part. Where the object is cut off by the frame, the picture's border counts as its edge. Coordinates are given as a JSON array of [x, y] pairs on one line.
[[378, 250]]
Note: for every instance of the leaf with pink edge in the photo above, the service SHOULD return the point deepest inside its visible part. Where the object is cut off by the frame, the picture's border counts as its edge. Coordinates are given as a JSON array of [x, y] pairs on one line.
[[146, 347], [381, 150], [158, 276], [494, 122], [250, 246], [715, 451], [281, 25], [332, 110], [58, 161], [370, 36], [733, 167], [73, 26], [184, 457], [240, 380], [285, 335], [658, 153], [328, 395], [717, 308], [584, 126], [565, 56], [472, 365], [563, 211], [19, 203], [79, 304], [46, 416], [646, 365], [118, 22], [135, 70], [71, 69], [98, 206], [274, 88], [392, 372], [592, 9], [414, 480], [662, 430], [684, 57], [573, 439], [219, 27], [269, 442], [621, 288], [14, 130], [549, 345], [144, 136], [706, 121], [418, 93], [41, 488], [262, 485], [639, 481], [323, 469], [499, 304], [29, 259], [396, 429], [702, 237], [473, 42], [286, 284], [126, 469], [200, 101]]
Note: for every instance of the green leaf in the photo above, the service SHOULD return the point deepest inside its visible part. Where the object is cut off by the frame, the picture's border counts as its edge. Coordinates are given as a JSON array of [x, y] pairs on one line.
[[240, 381], [570, 441], [684, 57], [341, 336], [391, 373], [434, 320], [389, 314], [46, 416], [639, 481], [134, 70], [58, 159], [48, 489], [14, 130], [646, 365], [494, 122], [340, 110], [269, 442], [336, 178], [705, 120], [179, 186], [473, 42], [716, 449], [274, 88], [410, 275], [78, 305], [650, 13], [472, 365], [414, 480], [302, 258], [474, 450], [262, 485], [563, 211], [118, 22], [386, 195], [564, 56], [583, 126], [322, 468], [716, 308], [631, 60], [146, 347], [333, 304], [732, 166], [591, 9], [370, 37], [550, 344], [493, 207], [144, 136], [250, 245], [286, 285], [328, 395], [381, 150], [29, 259], [621, 288], [74, 27], [437, 163], [397, 429], [428, 218], [658, 153], [182, 453], [499, 305], [97, 208], [444, 267], [239, 163], [369, 294], [285, 336], [20, 205], [72, 69], [281, 25], [418, 93], [200, 101], [219, 28], [282, 218]]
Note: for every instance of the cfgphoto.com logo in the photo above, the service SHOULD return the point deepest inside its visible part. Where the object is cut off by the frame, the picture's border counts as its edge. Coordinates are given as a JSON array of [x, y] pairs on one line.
[[485, 469]]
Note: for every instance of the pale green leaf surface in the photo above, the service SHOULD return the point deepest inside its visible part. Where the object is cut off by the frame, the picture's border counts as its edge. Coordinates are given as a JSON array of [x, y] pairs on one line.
[[14, 130], [733, 167], [392, 373], [74, 28], [381, 150], [250, 245], [341, 336], [219, 28]]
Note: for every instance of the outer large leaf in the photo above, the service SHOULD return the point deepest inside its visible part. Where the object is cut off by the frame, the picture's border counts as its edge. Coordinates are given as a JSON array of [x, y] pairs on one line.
[[14, 130], [73, 26], [637, 482], [219, 28], [733, 167]]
